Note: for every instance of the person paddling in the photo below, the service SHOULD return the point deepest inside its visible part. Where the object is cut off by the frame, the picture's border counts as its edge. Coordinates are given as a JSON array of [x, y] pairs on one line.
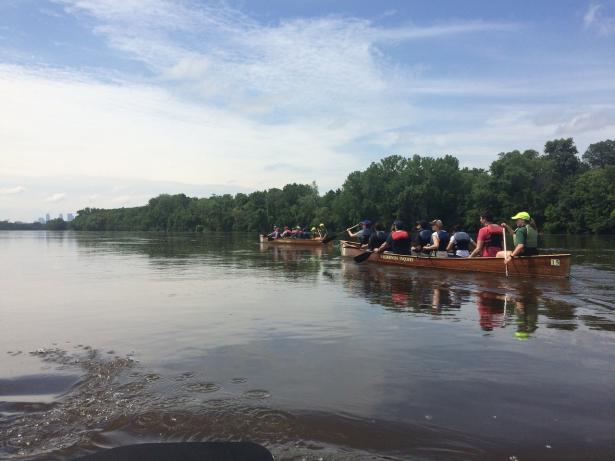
[[525, 237], [364, 233], [439, 239], [489, 240], [398, 241], [275, 234], [423, 236], [460, 243], [377, 237]]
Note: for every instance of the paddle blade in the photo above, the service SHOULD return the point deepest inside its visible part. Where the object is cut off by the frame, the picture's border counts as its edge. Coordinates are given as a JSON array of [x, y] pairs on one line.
[[362, 257], [328, 238]]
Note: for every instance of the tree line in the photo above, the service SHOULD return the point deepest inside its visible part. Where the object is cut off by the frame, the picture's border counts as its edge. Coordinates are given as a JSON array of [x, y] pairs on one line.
[[564, 193]]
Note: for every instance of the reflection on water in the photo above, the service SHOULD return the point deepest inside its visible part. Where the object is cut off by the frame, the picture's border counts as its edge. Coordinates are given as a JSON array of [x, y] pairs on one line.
[[438, 293], [119, 338]]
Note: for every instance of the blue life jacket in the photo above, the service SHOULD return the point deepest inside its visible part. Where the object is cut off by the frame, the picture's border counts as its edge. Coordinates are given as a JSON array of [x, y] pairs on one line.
[[424, 237], [376, 239], [444, 239], [462, 241]]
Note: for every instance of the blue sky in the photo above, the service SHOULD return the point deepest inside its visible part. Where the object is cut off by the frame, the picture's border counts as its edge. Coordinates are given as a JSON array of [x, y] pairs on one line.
[[108, 102]]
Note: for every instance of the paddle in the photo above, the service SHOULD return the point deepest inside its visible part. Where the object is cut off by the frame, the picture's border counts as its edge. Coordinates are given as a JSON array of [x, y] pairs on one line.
[[505, 253], [328, 239], [363, 256], [350, 228]]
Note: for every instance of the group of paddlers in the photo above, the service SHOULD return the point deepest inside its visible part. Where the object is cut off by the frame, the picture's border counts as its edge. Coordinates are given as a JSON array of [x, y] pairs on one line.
[[432, 239], [298, 232]]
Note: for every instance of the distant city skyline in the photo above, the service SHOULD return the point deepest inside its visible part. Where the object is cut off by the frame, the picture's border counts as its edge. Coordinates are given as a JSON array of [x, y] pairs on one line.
[[106, 103]]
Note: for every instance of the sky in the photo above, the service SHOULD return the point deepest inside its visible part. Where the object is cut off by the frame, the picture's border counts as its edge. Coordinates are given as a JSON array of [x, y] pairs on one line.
[[106, 103]]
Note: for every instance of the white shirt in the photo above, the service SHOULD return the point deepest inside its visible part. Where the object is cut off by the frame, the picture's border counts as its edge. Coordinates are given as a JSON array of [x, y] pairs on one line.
[[460, 253]]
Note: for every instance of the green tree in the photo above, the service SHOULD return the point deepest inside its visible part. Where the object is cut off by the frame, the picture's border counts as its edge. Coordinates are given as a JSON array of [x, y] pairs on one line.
[[600, 154], [564, 157]]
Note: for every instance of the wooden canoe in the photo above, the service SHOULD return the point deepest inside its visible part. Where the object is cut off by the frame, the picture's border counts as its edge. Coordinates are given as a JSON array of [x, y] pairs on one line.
[[553, 265], [292, 242]]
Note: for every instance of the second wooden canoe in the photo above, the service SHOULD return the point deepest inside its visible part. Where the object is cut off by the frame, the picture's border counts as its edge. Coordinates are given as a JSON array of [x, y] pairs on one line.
[[293, 242]]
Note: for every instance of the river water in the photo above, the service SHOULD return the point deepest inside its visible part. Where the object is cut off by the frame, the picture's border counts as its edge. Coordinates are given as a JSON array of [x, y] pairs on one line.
[[110, 339]]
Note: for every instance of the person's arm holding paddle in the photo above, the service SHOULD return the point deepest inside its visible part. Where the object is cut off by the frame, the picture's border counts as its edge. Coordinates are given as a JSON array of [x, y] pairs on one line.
[[382, 248], [508, 228], [361, 232], [349, 230], [519, 248]]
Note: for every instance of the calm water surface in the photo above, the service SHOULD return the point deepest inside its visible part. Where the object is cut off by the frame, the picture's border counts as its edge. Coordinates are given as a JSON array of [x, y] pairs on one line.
[[109, 339]]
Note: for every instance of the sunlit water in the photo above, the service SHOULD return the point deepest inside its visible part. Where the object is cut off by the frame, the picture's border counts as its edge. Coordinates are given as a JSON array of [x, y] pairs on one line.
[[109, 339]]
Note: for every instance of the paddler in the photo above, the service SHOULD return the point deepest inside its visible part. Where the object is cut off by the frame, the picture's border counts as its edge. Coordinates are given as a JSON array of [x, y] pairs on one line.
[[377, 237], [362, 234], [439, 239], [525, 237], [489, 240], [422, 236], [275, 234], [398, 241], [460, 243]]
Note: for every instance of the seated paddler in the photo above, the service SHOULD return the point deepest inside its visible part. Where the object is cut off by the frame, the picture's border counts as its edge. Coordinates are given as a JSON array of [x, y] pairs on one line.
[[363, 234], [525, 237], [422, 237], [398, 241], [439, 239], [275, 234], [377, 237], [489, 240], [285, 233], [460, 243]]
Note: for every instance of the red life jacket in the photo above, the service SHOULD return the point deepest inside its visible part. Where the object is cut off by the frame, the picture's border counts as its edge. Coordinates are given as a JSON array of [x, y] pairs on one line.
[[399, 235], [494, 238], [400, 242]]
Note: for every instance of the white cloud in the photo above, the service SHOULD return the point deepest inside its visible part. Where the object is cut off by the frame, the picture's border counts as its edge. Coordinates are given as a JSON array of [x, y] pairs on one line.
[[12, 190], [130, 200], [590, 15], [54, 198], [84, 127], [596, 19], [291, 67]]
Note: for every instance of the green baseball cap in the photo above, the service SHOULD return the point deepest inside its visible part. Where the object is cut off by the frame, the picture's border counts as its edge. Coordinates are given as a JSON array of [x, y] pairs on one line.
[[522, 215]]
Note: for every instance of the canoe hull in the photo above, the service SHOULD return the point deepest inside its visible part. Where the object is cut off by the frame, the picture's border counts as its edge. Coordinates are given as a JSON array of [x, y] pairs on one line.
[[551, 266], [292, 242]]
